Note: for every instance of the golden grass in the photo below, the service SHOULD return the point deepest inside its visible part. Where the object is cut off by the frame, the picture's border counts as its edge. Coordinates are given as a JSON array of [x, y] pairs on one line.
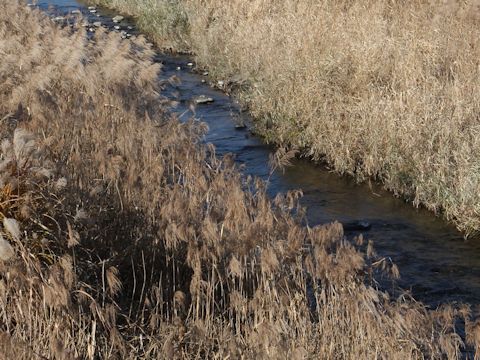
[[378, 89], [126, 237]]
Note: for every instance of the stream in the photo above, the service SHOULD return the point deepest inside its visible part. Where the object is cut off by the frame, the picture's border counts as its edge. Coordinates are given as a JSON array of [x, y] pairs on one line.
[[436, 264]]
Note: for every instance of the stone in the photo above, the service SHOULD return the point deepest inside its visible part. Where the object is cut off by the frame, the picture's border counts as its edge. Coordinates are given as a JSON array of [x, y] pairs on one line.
[[202, 99], [220, 83], [179, 68], [357, 226], [93, 11], [97, 23], [240, 125], [91, 8], [205, 73], [190, 64], [116, 27], [117, 19], [76, 12], [365, 225], [130, 27], [58, 18]]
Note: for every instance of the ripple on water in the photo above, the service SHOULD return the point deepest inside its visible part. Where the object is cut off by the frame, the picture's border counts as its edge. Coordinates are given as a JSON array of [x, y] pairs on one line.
[[434, 260]]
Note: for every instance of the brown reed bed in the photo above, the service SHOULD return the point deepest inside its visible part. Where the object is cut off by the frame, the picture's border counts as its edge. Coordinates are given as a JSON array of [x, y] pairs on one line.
[[377, 89], [125, 237]]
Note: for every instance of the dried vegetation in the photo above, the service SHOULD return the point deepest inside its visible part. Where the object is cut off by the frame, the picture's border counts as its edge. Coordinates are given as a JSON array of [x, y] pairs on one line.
[[124, 237], [379, 88]]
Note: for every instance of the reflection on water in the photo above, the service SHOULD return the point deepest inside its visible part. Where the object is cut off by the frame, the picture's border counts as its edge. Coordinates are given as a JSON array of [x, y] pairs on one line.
[[434, 260]]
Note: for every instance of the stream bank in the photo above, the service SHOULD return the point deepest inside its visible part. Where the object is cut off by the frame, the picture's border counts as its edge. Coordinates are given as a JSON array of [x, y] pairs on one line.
[[435, 261]]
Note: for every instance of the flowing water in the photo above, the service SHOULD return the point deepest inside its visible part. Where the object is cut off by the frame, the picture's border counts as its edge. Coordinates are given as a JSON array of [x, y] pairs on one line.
[[436, 264]]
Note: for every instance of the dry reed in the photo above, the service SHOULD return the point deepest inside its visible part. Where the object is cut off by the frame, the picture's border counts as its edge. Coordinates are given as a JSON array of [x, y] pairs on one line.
[[378, 89], [127, 238]]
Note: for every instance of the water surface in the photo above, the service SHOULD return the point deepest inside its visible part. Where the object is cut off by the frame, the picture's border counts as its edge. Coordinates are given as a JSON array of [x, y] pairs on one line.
[[436, 264]]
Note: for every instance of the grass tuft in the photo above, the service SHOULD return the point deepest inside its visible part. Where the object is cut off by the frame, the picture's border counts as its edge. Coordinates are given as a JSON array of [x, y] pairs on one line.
[[132, 240], [377, 89]]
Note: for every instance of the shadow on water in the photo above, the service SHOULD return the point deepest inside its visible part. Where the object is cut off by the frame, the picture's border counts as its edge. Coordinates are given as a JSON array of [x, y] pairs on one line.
[[435, 262]]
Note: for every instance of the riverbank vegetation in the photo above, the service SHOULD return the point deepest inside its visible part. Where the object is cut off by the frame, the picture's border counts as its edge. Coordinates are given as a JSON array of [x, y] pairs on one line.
[[378, 89], [123, 236]]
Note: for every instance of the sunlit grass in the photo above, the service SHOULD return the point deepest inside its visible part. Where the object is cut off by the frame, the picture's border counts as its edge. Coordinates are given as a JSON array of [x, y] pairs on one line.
[[125, 237], [378, 89]]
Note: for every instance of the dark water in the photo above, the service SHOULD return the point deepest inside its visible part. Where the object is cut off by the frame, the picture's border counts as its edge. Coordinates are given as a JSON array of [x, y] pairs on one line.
[[435, 262]]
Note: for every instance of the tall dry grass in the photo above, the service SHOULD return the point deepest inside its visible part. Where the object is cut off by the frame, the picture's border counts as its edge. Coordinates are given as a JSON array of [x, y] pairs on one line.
[[378, 89], [124, 236], [166, 21]]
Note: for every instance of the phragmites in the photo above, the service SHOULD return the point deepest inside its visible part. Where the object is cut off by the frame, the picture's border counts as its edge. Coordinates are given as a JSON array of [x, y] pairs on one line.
[[12, 231], [22, 156], [154, 247], [12, 228], [61, 183], [73, 238], [23, 146], [269, 261], [180, 303], [15, 157], [114, 283], [235, 267], [6, 250], [281, 159], [377, 90]]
